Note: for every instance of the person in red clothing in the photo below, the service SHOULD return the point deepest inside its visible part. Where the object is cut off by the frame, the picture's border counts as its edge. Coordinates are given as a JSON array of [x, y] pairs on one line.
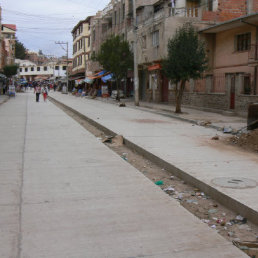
[[44, 91]]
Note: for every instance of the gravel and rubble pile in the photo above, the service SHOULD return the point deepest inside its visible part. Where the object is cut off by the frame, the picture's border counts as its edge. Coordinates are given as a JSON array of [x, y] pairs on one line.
[[247, 140]]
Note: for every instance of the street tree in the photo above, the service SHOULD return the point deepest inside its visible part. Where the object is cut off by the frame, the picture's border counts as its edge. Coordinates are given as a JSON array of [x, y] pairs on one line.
[[20, 50], [186, 60], [115, 56], [10, 70]]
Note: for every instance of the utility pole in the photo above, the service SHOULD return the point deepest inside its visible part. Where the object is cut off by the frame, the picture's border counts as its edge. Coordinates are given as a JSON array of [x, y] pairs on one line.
[[61, 43], [136, 79]]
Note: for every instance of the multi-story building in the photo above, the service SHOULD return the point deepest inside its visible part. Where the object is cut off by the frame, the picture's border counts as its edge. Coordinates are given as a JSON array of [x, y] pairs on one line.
[[81, 48], [8, 44], [156, 22], [51, 70], [36, 57]]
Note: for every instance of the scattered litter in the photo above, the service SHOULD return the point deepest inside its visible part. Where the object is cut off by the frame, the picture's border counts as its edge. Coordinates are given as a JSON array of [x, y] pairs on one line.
[[249, 247], [125, 158], [160, 182], [227, 130], [118, 140], [107, 139], [121, 104], [239, 217], [162, 169], [213, 226], [230, 234], [207, 221], [211, 211], [215, 205], [204, 123], [216, 137], [169, 190], [192, 201], [180, 197], [172, 177], [239, 220]]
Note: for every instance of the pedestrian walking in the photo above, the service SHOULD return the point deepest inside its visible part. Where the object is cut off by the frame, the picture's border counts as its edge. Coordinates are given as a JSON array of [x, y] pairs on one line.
[[45, 93], [37, 91]]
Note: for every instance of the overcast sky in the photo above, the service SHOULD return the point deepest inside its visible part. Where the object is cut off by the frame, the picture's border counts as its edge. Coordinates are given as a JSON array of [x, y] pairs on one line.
[[40, 23]]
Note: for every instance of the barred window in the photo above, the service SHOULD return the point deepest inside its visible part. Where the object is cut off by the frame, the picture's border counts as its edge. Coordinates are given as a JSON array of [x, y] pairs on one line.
[[155, 38], [243, 41]]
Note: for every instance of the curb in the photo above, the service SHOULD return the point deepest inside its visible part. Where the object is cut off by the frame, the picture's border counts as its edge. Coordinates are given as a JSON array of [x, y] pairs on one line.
[[220, 197]]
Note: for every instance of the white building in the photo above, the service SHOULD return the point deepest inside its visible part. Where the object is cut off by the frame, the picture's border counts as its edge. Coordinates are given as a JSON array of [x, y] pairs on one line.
[[30, 71]]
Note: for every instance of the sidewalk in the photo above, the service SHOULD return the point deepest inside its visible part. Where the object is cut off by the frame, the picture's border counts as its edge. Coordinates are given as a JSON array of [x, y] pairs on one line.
[[209, 119], [227, 174], [3, 99], [65, 194]]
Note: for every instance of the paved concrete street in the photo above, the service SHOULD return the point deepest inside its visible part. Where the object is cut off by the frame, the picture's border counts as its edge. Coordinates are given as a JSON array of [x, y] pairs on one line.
[[65, 194], [188, 148]]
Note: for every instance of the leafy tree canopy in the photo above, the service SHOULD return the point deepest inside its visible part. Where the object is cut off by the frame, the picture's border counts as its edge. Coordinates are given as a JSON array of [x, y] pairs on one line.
[[10, 70], [20, 50], [186, 60], [115, 56], [186, 55]]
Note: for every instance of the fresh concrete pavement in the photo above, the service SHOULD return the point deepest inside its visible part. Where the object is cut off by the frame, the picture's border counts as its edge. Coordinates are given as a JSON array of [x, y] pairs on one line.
[[185, 148], [65, 194]]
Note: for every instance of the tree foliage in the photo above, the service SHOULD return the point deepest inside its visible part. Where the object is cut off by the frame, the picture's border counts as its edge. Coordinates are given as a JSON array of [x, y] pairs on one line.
[[186, 60], [115, 56], [20, 50], [10, 70]]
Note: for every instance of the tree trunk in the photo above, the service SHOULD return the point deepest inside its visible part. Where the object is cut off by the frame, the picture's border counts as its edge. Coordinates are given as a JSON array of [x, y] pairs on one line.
[[117, 88], [179, 95]]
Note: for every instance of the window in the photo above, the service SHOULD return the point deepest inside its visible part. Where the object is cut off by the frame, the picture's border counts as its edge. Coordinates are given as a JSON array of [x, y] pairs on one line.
[[243, 42], [115, 18], [26, 69], [89, 42], [38, 68], [94, 35], [20, 70], [45, 68], [144, 39], [155, 38], [247, 85], [64, 67], [56, 67], [123, 12], [32, 69]]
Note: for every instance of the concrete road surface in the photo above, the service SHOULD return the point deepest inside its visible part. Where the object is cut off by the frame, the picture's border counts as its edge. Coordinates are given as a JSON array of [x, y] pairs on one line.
[[65, 194]]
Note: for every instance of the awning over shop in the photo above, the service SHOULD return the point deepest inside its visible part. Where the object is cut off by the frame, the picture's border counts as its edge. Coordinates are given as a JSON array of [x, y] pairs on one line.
[[88, 80], [97, 75], [76, 78], [154, 67], [107, 77]]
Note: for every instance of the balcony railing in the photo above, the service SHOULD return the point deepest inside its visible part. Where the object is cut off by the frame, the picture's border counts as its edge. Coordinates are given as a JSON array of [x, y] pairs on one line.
[[253, 53]]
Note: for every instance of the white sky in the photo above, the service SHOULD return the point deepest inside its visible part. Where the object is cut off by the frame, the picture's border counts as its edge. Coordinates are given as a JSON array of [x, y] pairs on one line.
[[40, 23]]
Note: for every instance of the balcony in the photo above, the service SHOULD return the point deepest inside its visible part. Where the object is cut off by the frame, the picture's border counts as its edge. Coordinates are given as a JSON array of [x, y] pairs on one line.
[[253, 55]]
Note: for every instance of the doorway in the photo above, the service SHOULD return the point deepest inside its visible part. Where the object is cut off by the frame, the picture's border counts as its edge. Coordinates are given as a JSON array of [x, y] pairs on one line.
[[164, 88], [232, 91]]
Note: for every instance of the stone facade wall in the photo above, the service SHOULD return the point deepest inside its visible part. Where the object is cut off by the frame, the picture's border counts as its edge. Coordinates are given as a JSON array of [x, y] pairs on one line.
[[243, 101], [203, 100]]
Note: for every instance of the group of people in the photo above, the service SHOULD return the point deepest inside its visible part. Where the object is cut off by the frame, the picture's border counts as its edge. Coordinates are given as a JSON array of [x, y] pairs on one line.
[[38, 90]]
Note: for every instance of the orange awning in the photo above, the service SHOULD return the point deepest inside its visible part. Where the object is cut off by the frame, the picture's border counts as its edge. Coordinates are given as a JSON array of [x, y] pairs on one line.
[[97, 76], [154, 67]]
